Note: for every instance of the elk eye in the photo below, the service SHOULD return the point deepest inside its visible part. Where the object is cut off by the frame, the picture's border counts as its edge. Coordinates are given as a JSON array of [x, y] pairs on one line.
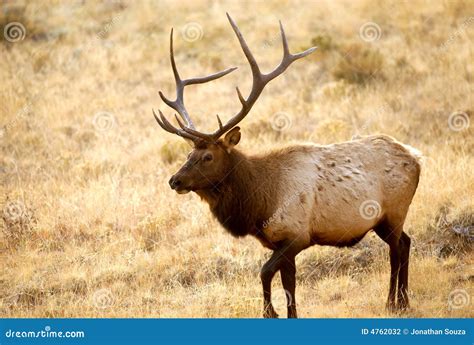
[[207, 157]]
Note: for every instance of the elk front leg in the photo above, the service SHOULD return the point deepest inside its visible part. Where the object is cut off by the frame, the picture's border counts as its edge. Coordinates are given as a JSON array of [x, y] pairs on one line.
[[267, 273], [282, 259]]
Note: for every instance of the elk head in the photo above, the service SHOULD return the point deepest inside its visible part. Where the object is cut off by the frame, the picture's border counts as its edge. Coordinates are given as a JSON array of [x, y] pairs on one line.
[[211, 159]]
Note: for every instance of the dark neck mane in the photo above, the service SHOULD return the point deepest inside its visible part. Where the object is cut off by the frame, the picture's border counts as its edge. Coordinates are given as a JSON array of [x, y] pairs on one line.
[[240, 202]]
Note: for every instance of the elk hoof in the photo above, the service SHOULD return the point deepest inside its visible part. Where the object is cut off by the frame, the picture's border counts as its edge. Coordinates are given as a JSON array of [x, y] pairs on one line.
[[270, 313], [391, 307], [403, 306]]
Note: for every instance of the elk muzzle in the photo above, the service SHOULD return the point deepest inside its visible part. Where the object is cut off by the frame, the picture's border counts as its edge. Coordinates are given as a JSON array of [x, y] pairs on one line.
[[176, 183]]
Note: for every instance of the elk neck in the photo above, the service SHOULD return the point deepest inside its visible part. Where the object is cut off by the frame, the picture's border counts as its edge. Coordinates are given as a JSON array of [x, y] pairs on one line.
[[244, 199]]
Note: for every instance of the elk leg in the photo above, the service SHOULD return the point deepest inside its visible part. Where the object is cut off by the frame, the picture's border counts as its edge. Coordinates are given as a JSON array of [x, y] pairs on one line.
[[394, 269], [288, 279], [267, 273], [282, 258], [403, 273], [389, 235]]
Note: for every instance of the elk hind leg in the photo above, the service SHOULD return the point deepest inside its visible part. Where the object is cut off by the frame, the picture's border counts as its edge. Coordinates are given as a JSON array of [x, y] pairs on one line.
[[402, 297], [288, 279], [391, 235]]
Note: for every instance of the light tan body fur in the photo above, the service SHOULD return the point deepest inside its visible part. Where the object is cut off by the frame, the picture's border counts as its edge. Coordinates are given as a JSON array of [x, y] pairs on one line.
[[336, 193]]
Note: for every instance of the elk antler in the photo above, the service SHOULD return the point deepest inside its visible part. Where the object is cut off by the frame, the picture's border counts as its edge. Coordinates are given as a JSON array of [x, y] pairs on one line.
[[260, 80], [178, 103]]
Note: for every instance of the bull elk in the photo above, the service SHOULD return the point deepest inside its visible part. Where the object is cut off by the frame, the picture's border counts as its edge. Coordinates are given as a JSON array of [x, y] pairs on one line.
[[300, 195]]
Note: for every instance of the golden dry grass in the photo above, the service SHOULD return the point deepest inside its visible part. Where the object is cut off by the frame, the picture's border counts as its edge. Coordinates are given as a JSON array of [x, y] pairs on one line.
[[90, 227]]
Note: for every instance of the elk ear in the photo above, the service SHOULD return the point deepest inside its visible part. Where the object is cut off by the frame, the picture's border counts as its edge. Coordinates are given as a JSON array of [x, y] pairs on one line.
[[232, 138]]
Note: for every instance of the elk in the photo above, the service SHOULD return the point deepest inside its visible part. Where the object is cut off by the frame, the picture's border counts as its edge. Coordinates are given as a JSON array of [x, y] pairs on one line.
[[300, 195]]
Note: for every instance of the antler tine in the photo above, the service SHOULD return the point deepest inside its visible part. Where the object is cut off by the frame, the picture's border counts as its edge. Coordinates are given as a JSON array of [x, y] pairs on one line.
[[287, 59], [248, 54], [190, 131], [202, 80], [164, 123], [260, 80], [178, 103], [219, 121]]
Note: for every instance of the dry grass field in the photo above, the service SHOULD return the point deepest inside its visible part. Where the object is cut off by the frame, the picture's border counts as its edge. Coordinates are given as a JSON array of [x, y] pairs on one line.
[[90, 227]]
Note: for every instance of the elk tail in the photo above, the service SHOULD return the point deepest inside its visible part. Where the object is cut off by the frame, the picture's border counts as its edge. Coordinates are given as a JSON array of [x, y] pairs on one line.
[[414, 152]]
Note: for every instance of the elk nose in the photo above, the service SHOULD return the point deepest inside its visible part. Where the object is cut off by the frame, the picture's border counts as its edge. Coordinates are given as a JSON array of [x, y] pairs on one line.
[[174, 182]]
